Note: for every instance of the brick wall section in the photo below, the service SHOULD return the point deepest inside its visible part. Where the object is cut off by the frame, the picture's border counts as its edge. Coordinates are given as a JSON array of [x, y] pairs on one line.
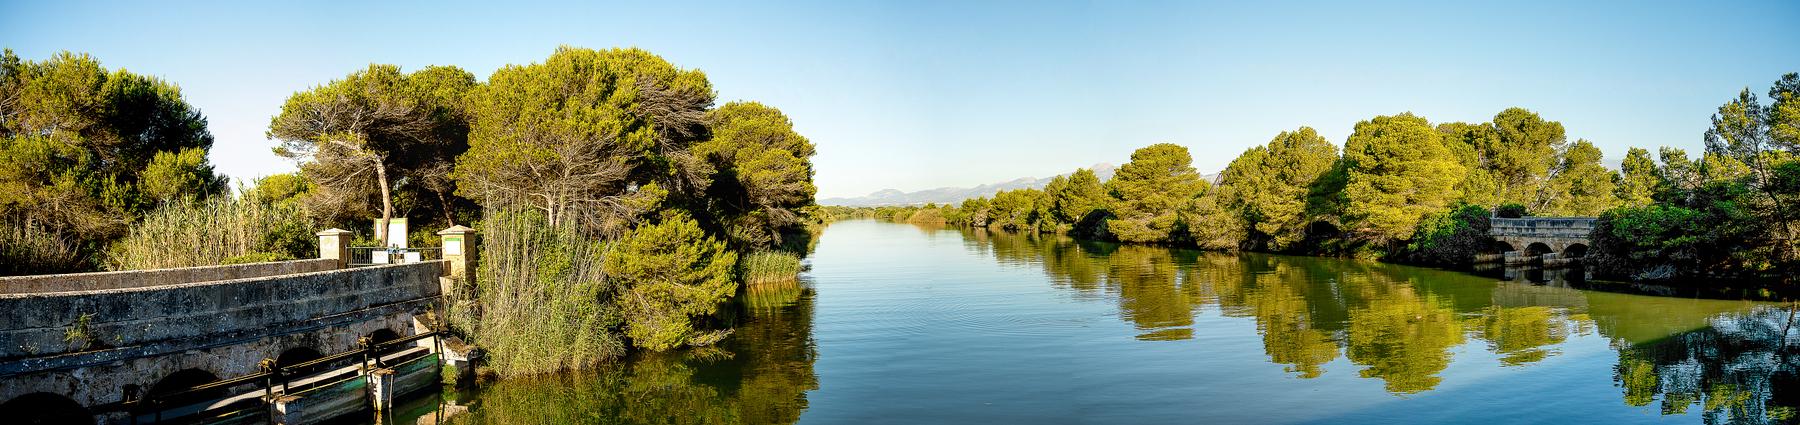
[[143, 278], [34, 324]]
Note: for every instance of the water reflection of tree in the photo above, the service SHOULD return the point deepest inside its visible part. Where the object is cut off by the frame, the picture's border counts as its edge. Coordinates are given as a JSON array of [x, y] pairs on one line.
[[1399, 324], [1745, 368], [759, 375]]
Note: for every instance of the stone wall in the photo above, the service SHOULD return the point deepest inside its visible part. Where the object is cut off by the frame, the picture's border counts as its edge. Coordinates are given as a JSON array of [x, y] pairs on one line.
[[222, 327], [143, 278], [35, 324], [1542, 227]]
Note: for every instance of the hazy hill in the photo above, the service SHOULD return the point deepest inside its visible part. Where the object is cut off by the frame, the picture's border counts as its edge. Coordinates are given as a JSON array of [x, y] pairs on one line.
[[953, 194]]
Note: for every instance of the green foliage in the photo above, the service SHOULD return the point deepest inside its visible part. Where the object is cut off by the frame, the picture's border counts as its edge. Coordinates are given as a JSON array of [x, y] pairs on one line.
[[673, 274], [1270, 184], [1511, 211], [763, 267], [1638, 180], [1665, 236], [1147, 192], [285, 188], [1521, 152], [378, 141], [84, 150], [1399, 172], [174, 176], [762, 187], [1017, 210], [1716, 231], [582, 133], [1449, 238], [1580, 186], [1078, 196], [221, 230], [257, 257], [1783, 115], [928, 217], [35, 249], [1212, 223], [546, 303]]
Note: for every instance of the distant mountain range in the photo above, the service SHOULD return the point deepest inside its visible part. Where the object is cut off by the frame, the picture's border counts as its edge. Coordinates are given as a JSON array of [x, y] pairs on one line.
[[953, 195]]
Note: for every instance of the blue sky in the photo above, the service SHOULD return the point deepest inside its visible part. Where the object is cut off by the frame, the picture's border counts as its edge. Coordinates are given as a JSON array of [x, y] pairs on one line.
[[914, 95]]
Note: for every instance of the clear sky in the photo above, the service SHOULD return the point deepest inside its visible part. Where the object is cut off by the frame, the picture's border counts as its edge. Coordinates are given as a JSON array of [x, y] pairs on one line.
[[914, 95]]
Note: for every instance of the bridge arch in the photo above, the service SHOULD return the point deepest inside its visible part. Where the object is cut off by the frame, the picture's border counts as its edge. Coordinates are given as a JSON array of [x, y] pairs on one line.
[[1499, 247], [181, 381], [44, 408], [1538, 248], [384, 335], [1575, 251], [297, 355]]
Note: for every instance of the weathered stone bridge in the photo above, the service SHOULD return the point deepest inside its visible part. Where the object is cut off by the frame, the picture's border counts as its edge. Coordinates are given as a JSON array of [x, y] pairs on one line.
[[1550, 241], [77, 347]]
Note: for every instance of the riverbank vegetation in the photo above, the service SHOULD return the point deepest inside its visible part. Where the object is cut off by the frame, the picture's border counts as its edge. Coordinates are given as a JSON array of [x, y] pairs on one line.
[[620, 207], [1405, 189], [84, 153]]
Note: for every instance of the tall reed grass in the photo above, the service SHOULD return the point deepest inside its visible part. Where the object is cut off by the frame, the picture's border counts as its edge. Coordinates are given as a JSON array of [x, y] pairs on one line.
[[27, 248], [769, 267], [215, 231], [543, 296]]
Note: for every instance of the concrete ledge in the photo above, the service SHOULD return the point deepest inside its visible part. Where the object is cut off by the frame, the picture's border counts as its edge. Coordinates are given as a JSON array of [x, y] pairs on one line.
[[143, 278]]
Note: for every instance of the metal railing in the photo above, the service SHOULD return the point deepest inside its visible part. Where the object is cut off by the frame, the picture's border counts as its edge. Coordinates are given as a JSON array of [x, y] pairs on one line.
[[272, 377], [374, 255]]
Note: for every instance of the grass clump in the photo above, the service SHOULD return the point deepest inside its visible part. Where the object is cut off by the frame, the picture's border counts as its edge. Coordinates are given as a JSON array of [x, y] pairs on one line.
[[28, 248], [769, 267]]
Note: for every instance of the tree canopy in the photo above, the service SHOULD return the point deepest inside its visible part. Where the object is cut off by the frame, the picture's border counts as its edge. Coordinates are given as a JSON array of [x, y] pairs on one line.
[[375, 132], [761, 185], [1399, 172], [85, 150], [586, 135], [1147, 191]]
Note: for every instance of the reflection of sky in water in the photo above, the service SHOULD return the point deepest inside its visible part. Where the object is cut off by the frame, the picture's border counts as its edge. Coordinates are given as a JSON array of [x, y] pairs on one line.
[[910, 325]]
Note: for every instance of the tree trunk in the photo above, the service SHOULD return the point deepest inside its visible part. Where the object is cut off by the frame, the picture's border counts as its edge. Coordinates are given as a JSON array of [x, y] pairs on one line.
[[387, 203], [444, 202]]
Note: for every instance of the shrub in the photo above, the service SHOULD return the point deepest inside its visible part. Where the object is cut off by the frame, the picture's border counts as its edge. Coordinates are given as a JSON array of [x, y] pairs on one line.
[[672, 274], [927, 217], [1511, 210], [1448, 238]]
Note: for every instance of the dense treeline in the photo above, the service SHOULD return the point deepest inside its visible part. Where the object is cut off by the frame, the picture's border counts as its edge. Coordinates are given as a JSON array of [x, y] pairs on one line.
[[619, 207], [1404, 189], [616, 200], [86, 151]]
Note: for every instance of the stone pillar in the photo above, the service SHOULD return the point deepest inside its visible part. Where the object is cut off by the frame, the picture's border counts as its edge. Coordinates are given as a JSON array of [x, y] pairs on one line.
[[381, 389], [285, 409], [459, 250], [335, 244]]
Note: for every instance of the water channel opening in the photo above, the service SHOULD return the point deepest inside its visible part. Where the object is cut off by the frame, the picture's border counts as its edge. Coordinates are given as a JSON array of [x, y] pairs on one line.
[[297, 355], [384, 335], [170, 390], [1575, 251], [1538, 248], [44, 408]]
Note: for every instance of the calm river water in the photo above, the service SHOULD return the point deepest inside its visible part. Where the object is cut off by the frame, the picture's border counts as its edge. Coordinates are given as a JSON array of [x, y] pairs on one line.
[[901, 324]]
